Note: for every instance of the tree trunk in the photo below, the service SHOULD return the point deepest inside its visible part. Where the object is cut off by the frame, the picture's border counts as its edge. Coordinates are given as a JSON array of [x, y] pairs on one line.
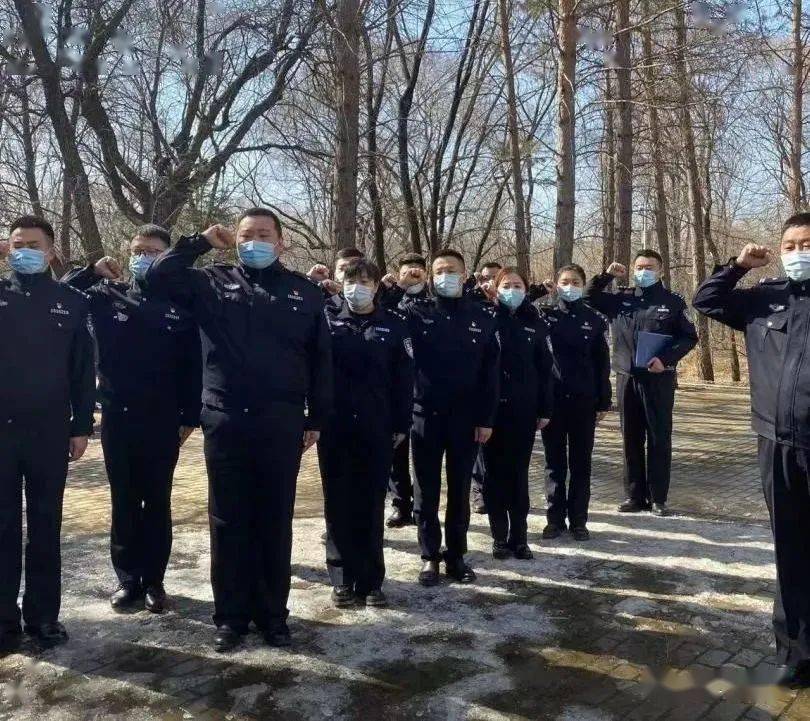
[[346, 44], [609, 178], [521, 241], [796, 190], [624, 151], [693, 181], [656, 150], [735, 358], [566, 87], [30, 157]]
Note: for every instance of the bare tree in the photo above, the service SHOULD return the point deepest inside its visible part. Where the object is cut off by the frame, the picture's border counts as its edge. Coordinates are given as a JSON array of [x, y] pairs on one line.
[[566, 92]]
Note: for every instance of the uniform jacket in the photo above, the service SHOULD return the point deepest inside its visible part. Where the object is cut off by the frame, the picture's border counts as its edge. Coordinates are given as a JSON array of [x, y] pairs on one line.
[[148, 349], [264, 334], [630, 310], [775, 317], [581, 351], [373, 360], [46, 353]]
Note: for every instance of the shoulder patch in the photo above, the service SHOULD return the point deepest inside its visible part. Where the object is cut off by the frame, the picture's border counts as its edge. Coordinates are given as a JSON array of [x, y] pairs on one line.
[[71, 289], [772, 281], [396, 314]]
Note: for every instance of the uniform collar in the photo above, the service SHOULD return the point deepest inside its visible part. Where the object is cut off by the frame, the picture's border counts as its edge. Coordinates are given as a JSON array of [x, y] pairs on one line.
[[256, 274], [31, 280], [799, 287], [345, 313], [450, 303], [567, 306], [650, 290]]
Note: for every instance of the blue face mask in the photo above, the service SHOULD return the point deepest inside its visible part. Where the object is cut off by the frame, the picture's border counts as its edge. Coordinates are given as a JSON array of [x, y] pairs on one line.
[[797, 265], [139, 264], [645, 278], [448, 285], [257, 253], [511, 297], [569, 293], [27, 261]]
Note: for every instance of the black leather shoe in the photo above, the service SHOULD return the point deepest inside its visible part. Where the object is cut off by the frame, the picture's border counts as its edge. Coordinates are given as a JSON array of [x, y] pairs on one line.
[[580, 533], [376, 599], [459, 571], [343, 596], [10, 638], [227, 639], [155, 599], [126, 596], [523, 552], [399, 519], [794, 676], [48, 634], [429, 575], [660, 509], [552, 530], [501, 551], [278, 636], [632, 506]]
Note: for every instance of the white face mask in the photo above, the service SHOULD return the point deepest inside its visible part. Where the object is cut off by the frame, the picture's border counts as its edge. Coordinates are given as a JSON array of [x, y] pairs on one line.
[[359, 297], [415, 289]]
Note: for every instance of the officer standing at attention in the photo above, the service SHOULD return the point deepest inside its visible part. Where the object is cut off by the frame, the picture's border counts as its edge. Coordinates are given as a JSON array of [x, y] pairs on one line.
[[525, 406], [150, 385], [646, 395], [456, 354], [266, 359], [775, 316], [581, 399], [46, 413], [372, 356], [400, 485]]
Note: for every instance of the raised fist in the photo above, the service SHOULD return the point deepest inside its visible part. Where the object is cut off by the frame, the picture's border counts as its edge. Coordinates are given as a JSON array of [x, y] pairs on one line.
[[108, 268], [318, 273], [617, 270], [388, 280], [754, 256], [331, 286], [549, 285], [220, 237], [412, 277]]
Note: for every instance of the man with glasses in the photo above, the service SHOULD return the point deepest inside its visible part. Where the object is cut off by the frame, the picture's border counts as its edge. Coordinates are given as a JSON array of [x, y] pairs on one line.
[[150, 386]]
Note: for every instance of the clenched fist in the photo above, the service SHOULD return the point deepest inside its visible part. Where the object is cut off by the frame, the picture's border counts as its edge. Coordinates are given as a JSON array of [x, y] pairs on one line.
[[754, 256], [414, 276], [617, 270], [108, 268], [388, 280], [220, 237], [318, 273]]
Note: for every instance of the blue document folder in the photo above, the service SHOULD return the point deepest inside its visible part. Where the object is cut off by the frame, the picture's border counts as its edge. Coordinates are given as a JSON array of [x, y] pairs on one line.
[[648, 346]]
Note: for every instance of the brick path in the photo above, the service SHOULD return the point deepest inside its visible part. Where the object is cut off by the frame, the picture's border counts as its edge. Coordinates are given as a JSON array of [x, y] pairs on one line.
[[653, 619]]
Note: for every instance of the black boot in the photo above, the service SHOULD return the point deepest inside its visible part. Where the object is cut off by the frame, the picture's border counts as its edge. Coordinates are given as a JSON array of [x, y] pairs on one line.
[[278, 635], [155, 599], [429, 575], [501, 550], [126, 596], [227, 638], [458, 570], [630, 505], [552, 530], [399, 519], [48, 634], [343, 596]]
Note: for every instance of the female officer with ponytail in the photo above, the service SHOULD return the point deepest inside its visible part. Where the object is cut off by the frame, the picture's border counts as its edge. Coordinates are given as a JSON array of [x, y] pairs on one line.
[[525, 405], [581, 398]]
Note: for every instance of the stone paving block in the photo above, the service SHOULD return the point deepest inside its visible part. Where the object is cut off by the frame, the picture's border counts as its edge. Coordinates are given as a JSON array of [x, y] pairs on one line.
[[725, 711], [747, 658], [714, 657]]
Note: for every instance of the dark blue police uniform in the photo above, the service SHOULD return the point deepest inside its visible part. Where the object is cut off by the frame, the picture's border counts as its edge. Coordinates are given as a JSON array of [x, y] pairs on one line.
[[149, 384], [46, 398], [775, 317], [372, 356], [525, 396], [266, 360], [645, 399], [581, 390]]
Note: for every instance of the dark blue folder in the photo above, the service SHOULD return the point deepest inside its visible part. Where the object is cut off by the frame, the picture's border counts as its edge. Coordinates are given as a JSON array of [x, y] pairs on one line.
[[649, 346]]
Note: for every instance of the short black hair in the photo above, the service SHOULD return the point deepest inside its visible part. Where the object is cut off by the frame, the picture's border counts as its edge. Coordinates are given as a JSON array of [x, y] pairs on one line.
[[258, 212], [412, 259], [797, 220], [151, 230], [360, 267], [491, 264], [574, 268], [344, 253], [648, 253], [449, 253], [33, 221]]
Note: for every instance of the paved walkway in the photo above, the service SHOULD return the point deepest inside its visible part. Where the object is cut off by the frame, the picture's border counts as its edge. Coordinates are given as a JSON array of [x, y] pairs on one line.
[[652, 619]]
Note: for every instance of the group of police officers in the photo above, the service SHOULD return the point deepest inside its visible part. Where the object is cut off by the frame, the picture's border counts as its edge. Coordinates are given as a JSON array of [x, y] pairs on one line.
[[430, 365]]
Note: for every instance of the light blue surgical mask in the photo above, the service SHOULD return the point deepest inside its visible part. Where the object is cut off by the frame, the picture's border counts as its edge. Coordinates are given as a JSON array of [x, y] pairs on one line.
[[511, 297], [570, 293], [797, 265], [257, 253], [645, 278], [448, 285], [359, 297], [27, 261], [139, 264], [415, 289]]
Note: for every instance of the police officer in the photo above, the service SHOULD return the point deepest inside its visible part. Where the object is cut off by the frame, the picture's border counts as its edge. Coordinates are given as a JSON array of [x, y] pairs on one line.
[[400, 485], [581, 399], [456, 394], [372, 356], [266, 358], [775, 316], [525, 406], [332, 287], [149, 385], [646, 395], [46, 413]]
